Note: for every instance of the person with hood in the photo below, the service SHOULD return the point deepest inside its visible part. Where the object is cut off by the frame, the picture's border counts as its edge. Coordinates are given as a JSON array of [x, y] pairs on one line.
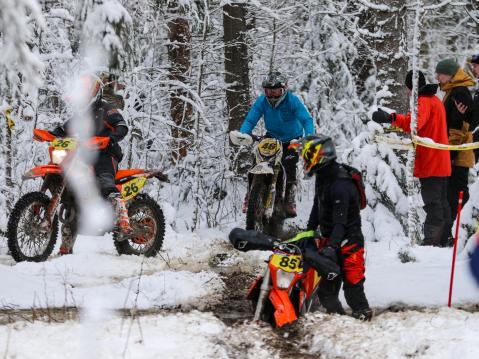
[[454, 81], [474, 111], [431, 166], [285, 118]]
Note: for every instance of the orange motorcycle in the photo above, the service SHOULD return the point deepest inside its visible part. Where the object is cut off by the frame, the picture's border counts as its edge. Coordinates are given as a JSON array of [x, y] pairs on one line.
[[34, 221], [288, 287]]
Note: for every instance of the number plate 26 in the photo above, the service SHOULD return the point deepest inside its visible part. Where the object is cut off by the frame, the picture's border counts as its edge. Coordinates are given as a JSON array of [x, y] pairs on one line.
[[64, 143], [131, 188], [291, 263]]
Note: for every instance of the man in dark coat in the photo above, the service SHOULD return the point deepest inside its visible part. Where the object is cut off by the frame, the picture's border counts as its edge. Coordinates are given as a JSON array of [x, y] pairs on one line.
[[455, 82], [336, 213]]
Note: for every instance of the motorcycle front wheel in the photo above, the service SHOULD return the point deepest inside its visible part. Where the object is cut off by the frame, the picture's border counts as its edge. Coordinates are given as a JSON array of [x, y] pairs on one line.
[[30, 237], [148, 224], [255, 218]]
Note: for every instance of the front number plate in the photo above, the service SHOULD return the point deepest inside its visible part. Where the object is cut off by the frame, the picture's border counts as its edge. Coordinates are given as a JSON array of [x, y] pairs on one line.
[[291, 263], [64, 143]]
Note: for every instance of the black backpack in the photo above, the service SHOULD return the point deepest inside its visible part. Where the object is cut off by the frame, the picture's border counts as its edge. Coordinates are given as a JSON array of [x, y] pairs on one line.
[[356, 176]]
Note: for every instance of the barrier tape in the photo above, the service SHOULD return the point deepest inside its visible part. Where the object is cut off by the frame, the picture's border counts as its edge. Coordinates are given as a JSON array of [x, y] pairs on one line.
[[407, 144]]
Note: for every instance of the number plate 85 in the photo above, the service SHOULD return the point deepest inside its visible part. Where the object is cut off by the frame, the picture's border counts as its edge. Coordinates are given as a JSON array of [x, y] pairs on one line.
[[292, 263]]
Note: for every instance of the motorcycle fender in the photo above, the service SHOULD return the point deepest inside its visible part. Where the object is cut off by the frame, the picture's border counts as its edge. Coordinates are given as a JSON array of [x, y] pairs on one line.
[[262, 168], [42, 171], [284, 312]]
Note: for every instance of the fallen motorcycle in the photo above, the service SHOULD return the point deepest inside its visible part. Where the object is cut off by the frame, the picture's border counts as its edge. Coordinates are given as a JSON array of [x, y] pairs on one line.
[[34, 221], [288, 287]]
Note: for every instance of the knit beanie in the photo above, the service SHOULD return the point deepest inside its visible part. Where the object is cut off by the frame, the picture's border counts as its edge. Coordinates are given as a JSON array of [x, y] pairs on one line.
[[447, 67], [421, 80]]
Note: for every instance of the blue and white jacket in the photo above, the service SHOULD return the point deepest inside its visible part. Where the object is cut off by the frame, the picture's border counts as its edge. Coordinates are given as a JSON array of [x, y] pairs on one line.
[[289, 120]]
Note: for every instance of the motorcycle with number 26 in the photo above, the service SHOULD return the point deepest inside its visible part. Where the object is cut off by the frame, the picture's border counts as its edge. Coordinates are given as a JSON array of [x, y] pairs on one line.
[[34, 221]]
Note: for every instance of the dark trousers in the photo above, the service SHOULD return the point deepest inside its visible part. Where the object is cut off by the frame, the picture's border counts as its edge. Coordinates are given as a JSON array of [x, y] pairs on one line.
[[438, 212], [457, 182], [289, 160], [352, 267], [106, 167]]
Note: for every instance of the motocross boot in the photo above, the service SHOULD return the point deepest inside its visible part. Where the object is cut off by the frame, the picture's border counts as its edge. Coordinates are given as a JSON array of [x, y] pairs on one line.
[[363, 315], [290, 200], [123, 221], [68, 240]]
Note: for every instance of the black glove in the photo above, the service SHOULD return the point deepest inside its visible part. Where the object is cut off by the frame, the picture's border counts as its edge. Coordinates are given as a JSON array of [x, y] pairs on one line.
[[381, 116], [330, 252], [58, 132]]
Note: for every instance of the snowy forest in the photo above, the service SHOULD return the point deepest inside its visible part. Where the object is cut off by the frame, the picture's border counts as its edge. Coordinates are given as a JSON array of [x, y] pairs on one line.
[[191, 70]]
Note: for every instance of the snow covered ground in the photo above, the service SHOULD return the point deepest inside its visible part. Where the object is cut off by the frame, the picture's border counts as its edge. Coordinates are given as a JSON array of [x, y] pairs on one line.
[[186, 276]]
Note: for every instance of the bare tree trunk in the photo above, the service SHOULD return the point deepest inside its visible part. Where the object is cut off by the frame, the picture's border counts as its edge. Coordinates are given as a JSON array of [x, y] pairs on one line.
[[390, 47], [179, 54], [238, 97], [236, 64]]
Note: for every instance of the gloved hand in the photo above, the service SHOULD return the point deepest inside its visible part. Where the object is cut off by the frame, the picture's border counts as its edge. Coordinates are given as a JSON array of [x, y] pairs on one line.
[[329, 252], [240, 139], [58, 132], [381, 116]]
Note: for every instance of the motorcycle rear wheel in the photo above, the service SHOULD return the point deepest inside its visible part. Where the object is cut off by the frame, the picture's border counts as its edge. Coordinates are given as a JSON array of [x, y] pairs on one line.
[[147, 217], [29, 239]]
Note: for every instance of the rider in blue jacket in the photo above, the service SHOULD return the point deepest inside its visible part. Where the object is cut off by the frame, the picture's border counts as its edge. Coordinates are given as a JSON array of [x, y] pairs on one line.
[[285, 118]]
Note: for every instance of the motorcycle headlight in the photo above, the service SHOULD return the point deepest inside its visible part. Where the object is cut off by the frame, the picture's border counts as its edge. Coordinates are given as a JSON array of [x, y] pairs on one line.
[[284, 279], [58, 156]]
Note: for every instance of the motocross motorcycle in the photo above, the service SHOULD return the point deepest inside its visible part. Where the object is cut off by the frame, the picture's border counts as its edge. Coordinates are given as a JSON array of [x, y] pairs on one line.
[[288, 287], [267, 180], [33, 223]]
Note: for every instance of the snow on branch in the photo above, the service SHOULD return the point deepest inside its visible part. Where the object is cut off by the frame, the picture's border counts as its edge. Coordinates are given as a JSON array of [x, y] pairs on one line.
[[380, 7], [16, 30]]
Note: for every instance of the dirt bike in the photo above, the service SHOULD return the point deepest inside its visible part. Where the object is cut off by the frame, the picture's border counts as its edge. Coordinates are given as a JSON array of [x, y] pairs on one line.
[[33, 223], [267, 180], [288, 287]]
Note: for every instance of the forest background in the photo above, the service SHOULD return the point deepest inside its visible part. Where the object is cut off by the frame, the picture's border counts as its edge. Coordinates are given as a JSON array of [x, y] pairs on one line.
[[192, 70]]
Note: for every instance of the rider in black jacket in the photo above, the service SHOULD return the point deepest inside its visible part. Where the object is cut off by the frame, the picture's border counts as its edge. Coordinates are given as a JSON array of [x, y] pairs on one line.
[[336, 212], [107, 122]]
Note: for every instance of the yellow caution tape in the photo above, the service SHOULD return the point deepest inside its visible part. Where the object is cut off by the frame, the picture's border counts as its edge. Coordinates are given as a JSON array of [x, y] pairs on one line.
[[406, 144], [427, 142]]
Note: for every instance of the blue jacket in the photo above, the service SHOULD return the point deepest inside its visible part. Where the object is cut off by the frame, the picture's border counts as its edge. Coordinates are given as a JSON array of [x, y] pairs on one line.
[[290, 119]]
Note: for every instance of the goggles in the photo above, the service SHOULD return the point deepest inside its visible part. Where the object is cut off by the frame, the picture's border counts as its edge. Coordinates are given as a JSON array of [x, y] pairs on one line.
[[274, 93]]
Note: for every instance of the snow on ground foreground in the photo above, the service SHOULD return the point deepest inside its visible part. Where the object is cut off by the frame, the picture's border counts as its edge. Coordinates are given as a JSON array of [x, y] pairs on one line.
[[443, 333], [435, 334]]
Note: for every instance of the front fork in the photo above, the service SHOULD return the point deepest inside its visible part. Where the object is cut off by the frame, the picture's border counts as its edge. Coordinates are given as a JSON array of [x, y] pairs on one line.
[[263, 294], [53, 206], [272, 194]]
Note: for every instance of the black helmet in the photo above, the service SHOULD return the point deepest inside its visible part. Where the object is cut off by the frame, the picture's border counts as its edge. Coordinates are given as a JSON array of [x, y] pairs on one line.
[[275, 80], [317, 151], [274, 86]]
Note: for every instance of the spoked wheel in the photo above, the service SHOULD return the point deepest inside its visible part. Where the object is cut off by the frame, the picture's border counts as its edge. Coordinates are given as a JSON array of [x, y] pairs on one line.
[[255, 218], [30, 237], [148, 224]]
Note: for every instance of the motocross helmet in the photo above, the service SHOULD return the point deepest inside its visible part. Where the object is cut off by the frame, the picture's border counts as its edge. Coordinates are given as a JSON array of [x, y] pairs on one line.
[[317, 151], [92, 86], [275, 88]]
